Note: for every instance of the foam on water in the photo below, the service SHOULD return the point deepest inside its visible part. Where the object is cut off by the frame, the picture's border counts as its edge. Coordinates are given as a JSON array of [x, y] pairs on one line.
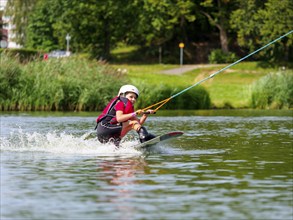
[[65, 144]]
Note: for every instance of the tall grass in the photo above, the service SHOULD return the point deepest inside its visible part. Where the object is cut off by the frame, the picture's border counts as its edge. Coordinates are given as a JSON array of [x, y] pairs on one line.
[[273, 91], [10, 74], [78, 84], [72, 84]]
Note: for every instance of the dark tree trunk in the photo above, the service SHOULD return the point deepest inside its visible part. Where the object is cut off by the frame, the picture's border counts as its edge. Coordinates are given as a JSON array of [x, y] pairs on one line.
[[220, 24], [223, 39]]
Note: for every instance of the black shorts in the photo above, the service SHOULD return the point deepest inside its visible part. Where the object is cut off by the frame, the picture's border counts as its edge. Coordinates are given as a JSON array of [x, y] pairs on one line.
[[107, 132]]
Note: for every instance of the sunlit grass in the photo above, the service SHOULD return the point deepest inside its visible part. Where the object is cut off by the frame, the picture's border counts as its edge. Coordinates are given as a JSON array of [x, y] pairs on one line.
[[124, 49], [152, 74], [229, 87]]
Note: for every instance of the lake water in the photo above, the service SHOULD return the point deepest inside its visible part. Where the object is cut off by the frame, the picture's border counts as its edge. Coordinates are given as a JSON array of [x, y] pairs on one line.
[[227, 165]]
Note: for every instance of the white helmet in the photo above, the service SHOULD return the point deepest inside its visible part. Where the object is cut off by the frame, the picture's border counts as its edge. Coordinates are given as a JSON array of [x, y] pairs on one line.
[[128, 88]]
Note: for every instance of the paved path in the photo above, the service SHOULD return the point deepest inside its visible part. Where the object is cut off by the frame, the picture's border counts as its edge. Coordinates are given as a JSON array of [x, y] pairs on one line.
[[186, 68]]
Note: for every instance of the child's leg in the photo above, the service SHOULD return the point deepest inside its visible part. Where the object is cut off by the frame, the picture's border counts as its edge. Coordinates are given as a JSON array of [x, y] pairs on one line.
[[128, 126], [135, 125]]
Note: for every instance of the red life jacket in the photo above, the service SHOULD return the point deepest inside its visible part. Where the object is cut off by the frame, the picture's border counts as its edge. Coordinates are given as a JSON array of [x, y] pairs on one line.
[[110, 112]]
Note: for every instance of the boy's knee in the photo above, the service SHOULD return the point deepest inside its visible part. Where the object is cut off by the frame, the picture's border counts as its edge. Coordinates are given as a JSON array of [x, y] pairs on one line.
[[135, 125]]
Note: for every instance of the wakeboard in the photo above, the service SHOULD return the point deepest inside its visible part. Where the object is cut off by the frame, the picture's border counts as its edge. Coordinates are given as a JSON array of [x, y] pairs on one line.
[[158, 139]]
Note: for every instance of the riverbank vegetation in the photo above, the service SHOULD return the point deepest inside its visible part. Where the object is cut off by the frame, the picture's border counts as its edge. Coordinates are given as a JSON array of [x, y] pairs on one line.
[[56, 84], [232, 88], [79, 84], [273, 91]]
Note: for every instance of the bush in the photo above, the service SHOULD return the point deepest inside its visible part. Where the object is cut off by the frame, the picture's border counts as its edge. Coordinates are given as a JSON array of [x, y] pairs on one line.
[[274, 91], [218, 56], [196, 98]]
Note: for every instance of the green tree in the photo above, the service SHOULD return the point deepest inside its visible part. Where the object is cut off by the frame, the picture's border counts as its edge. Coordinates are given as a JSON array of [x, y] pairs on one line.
[[159, 20], [40, 32], [101, 25], [163, 24], [218, 13], [267, 21], [277, 19], [95, 26]]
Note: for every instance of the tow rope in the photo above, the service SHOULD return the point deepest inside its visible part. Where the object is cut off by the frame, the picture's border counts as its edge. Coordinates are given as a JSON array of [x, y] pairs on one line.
[[163, 102]]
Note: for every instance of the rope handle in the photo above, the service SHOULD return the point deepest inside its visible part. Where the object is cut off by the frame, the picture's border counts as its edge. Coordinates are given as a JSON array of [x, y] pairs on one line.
[[161, 103]]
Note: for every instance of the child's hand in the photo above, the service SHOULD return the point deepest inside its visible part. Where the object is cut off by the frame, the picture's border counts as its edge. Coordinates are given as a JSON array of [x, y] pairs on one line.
[[150, 111], [147, 112], [139, 112]]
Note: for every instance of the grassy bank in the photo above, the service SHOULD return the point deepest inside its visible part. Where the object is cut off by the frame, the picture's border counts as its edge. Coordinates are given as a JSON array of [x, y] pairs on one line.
[[79, 84], [56, 84], [230, 88]]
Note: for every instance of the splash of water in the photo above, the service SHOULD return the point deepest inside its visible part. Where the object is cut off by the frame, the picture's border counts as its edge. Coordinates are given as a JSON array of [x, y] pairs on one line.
[[65, 144]]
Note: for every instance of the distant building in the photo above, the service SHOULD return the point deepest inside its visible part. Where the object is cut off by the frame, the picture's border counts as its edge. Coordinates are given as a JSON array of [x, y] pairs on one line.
[[2, 4], [6, 31]]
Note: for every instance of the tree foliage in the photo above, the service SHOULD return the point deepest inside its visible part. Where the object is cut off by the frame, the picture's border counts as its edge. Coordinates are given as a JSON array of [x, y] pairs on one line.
[[40, 32], [218, 12], [159, 21], [96, 27], [267, 21]]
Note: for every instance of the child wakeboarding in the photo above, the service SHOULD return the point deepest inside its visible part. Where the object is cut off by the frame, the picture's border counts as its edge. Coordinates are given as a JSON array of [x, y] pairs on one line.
[[119, 117]]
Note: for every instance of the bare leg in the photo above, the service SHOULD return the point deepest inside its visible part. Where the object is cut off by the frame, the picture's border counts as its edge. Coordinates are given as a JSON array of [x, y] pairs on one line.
[[135, 125], [128, 126]]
